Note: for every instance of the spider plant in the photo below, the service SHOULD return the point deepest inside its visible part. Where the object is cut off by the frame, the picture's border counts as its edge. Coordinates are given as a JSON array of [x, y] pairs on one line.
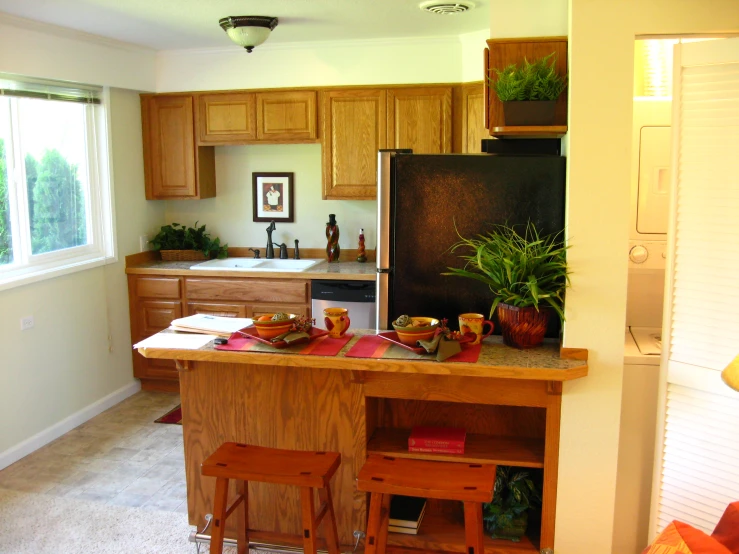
[[524, 270]]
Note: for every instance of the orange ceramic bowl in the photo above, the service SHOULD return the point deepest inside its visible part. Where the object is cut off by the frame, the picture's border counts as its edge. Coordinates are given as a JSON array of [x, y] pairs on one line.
[[270, 329], [423, 329]]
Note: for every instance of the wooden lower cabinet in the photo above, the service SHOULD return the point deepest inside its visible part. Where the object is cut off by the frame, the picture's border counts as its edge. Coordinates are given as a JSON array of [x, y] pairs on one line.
[[156, 300]]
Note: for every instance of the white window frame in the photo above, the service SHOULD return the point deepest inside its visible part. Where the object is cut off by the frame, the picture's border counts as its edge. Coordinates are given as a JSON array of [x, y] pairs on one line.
[[99, 209]]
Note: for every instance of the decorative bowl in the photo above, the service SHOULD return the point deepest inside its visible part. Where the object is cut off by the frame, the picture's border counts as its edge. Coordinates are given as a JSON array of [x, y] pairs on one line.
[[270, 329], [423, 328]]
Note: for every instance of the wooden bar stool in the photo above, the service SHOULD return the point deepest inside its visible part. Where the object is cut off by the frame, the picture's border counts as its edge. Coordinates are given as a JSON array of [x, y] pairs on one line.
[[384, 476], [307, 470]]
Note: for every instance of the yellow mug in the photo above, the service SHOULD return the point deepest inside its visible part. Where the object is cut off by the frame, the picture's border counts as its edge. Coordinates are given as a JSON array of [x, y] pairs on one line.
[[474, 323], [337, 321]]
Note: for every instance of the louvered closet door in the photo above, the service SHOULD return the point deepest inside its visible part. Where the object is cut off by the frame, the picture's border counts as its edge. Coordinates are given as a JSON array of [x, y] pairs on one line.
[[697, 470]]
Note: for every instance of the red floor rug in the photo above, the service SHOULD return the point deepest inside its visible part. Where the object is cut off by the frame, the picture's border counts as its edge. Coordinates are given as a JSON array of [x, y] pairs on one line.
[[172, 416]]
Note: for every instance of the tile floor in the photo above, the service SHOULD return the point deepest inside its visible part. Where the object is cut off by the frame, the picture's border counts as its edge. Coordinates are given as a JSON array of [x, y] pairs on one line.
[[120, 457]]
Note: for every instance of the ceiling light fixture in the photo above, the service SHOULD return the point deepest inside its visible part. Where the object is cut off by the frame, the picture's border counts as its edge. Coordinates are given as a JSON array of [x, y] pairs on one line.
[[248, 30]]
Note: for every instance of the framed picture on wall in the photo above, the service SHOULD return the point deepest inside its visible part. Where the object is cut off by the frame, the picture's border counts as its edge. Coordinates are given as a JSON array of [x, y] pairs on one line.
[[273, 197]]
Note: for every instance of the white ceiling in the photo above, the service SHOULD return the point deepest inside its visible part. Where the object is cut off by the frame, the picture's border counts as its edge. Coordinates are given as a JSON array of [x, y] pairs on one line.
[[178, 24]]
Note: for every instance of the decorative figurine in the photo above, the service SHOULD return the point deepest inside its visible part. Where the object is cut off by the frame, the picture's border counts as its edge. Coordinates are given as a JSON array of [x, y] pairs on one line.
[[361, 256], [332, 237]]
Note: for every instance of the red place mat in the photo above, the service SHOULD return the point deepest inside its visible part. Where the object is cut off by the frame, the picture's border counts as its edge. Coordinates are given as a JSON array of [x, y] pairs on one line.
[[374, 346], [322, 346]]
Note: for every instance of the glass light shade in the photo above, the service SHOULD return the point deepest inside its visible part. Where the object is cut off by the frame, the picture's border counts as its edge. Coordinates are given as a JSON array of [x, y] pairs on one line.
[[248, 30], [248, 36], [730, 375]]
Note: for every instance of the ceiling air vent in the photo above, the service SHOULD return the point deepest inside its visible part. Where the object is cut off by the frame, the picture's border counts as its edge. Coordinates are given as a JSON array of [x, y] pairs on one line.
[[446, 8]]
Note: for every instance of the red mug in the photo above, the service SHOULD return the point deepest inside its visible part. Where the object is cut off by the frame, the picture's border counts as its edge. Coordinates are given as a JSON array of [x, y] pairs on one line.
[[474, 323]]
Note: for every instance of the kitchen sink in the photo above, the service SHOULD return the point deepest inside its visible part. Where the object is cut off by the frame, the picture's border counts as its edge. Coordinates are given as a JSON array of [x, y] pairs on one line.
[[252, 264]]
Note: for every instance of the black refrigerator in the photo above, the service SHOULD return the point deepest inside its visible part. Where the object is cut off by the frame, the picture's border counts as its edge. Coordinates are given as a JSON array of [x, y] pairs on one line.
[[421, 197]]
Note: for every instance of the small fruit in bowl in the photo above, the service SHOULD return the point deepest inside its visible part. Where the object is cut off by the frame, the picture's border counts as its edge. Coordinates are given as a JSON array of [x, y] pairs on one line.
[[270, 325], [412, 329]]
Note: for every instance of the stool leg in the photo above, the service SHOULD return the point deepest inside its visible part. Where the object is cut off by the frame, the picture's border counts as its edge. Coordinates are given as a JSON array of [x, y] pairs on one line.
[[309, 520], [373, 523], [219, 516], [242, 518], [332, 534], [473, 528]]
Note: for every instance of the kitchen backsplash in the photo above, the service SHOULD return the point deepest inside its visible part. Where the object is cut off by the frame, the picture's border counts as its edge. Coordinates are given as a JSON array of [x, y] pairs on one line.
[[230, 214]]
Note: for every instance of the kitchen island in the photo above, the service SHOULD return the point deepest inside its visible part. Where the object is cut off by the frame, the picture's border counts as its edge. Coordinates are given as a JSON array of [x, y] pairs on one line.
[[508, 401]]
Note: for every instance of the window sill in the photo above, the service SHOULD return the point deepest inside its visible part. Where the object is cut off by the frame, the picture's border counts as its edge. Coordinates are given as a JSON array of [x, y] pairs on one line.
[[35, 274]]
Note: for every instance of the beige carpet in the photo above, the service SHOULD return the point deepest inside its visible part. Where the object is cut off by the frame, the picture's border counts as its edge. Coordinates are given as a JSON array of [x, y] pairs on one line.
[[35, 523]]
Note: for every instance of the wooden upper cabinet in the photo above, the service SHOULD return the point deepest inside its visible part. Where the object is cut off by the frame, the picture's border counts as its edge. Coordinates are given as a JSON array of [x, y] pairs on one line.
[[353, 130], [286, 116], [173, 166], [227, 118], [473, 118], [420, 118]]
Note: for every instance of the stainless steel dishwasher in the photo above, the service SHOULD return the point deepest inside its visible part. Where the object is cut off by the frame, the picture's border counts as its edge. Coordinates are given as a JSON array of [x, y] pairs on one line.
[[356, 296]]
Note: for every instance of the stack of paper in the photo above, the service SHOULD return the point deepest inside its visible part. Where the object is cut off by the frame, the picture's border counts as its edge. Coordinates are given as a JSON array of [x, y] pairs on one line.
[[210, 324]]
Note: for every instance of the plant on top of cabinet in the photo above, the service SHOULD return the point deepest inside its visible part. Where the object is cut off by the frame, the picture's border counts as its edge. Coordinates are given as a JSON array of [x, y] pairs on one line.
[[529, 90], [178, 242], [527, 274]]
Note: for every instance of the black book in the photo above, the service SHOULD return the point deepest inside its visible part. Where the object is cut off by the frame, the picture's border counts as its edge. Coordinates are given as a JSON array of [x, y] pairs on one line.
[[406, 511]]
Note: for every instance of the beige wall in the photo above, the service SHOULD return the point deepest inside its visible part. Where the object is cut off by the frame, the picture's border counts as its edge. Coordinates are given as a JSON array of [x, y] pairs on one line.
[[63, 365], [230, 214]]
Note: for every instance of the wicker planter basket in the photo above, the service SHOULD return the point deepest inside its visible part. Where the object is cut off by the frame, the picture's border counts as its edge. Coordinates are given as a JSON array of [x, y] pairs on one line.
[[523, 327], [182, 255]]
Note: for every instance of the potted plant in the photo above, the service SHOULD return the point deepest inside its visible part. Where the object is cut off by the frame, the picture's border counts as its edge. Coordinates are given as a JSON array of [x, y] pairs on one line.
[[527, 274], [178, 242], [529, 91], [506, 517]]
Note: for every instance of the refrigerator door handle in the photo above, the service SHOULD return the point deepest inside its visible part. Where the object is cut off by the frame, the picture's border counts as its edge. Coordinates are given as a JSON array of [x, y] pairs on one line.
[[383, 280]]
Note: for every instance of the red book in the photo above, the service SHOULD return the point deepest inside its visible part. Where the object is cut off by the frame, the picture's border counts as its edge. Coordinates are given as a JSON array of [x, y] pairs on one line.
[[437, 437], [436, 450]]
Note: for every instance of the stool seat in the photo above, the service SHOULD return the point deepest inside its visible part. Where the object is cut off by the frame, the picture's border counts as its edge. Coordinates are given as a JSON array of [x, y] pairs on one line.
[[244, 463], [271, 465], [428, 479], [384, 476]]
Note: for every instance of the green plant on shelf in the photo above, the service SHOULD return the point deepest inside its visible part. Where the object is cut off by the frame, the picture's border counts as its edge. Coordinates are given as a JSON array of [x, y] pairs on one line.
[[515, 493], [180, 237], [536, 80]]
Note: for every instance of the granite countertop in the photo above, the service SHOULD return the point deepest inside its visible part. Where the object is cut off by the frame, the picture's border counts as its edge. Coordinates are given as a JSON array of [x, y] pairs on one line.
[[547, 362], [349, 271]]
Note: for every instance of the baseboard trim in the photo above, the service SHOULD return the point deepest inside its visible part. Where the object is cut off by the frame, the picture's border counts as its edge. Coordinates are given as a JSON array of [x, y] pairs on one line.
[[24, 448]]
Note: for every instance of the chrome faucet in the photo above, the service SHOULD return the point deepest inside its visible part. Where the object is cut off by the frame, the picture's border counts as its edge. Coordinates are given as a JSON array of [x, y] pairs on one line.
[[270, 250]]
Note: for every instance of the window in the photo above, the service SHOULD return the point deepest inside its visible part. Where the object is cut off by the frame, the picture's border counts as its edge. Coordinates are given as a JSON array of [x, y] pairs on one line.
[[55, 200]]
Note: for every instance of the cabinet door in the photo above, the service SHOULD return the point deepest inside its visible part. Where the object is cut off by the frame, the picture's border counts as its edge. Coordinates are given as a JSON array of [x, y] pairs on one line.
[[353, 130], [420, 118], [169, 146], [222, 310], [286, 116], [155, 315], [473, 118], [227, 118]]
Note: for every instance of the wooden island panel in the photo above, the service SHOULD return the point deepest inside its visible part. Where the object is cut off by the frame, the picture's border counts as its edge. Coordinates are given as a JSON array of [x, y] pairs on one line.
[[276, 407]]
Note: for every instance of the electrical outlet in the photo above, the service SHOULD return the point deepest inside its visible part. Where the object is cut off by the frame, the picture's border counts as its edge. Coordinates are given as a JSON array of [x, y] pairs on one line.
[[143, 243], [27, 323]]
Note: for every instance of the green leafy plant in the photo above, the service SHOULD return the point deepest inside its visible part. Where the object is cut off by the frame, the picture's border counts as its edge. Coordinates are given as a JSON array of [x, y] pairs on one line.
[[514, 494], [180, 237], [519, 269], [536, 80]]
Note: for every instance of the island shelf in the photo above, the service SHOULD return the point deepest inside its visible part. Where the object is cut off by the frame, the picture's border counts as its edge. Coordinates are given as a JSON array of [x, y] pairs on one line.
[[509, 403]]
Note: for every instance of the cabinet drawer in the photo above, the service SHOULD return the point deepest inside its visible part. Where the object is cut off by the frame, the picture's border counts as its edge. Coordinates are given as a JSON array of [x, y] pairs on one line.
[[261, 309], [247, 290], [221, 310], [158, 287]]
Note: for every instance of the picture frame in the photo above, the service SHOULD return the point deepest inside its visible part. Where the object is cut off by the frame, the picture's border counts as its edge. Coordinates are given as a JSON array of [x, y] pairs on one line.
[[273, 197]]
